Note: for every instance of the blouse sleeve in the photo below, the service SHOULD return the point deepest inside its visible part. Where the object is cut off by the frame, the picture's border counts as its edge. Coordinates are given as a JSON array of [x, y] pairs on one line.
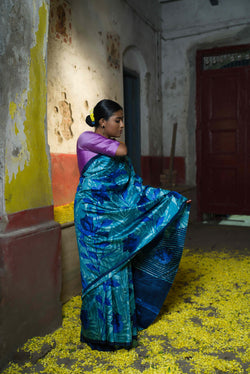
[[97, 143]]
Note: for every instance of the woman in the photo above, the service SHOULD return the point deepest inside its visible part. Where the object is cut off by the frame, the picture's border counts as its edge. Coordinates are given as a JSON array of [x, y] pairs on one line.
[[130, 237]]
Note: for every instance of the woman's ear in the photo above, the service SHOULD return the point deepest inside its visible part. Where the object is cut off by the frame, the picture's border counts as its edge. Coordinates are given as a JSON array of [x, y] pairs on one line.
[[102, 122]]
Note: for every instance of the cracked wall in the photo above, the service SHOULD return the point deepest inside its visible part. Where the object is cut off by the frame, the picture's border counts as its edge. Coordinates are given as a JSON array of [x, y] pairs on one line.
[[86, 48], [25, 169]]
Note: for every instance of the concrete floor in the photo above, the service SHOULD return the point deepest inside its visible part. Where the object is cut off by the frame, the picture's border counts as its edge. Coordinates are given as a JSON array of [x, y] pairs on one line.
[[212, 237]]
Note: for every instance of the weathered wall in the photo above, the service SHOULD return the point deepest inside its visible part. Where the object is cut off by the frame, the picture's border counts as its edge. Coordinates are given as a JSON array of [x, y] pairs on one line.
[[87, 42], [85, 61], [189, 25], [23, 103], [30, 272]]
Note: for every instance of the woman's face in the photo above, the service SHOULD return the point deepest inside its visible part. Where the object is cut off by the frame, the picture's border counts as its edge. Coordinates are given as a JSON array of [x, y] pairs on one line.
[[114, 125]]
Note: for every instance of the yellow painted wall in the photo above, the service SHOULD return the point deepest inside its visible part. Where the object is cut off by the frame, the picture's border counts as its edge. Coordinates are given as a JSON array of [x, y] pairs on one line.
[[31, 187]]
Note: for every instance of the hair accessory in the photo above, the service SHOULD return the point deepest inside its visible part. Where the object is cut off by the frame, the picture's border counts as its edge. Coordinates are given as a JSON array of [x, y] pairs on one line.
[[92, 117]]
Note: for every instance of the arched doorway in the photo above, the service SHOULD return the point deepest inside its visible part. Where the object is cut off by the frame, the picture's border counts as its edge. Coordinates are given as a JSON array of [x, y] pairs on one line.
[[131, 84], [136, 110]]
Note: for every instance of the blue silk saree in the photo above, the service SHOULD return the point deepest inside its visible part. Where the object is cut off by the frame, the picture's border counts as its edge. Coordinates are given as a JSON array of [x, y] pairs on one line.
[[130, 240]]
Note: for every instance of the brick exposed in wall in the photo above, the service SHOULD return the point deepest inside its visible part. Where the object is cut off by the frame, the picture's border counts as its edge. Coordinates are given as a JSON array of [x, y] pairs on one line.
[[113, 50], [61, 21]]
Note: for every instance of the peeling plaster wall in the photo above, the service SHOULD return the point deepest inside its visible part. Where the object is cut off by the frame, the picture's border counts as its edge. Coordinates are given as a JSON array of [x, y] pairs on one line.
[[30, 240], [189, 25], [24, 172], [86, 45]]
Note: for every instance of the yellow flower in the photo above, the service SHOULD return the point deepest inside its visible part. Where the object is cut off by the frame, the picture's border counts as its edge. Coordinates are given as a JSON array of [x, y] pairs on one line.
[[203, 325], [92, 117]]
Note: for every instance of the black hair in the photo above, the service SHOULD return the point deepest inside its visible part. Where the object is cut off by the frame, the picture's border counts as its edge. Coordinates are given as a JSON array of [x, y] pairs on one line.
[[104, 109]]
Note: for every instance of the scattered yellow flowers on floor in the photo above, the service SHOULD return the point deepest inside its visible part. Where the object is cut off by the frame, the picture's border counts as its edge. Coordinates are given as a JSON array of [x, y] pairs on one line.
[[203, 328], [64, 213]]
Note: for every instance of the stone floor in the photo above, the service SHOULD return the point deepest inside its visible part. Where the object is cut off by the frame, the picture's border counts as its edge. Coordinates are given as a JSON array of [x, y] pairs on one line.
[[218, 237]]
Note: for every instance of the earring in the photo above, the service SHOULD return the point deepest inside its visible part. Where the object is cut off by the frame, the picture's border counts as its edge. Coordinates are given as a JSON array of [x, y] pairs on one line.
[[103, 127]]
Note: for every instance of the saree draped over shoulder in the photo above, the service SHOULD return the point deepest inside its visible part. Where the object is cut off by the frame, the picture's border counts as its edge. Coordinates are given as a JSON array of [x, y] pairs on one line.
[[130, 239]]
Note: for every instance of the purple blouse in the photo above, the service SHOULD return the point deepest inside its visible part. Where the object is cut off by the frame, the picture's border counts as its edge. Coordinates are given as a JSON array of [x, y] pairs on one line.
[[90, 144]]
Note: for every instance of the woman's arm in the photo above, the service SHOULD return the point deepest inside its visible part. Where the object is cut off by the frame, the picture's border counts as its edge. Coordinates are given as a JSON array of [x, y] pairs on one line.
[[121, 150], [96, 143]]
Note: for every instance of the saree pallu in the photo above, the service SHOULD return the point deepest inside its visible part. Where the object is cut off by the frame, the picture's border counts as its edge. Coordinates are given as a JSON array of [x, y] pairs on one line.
[[130, 239]]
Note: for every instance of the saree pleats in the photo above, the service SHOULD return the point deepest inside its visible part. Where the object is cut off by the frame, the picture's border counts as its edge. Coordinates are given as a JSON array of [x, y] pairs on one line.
[[108, 312], [130, 239]]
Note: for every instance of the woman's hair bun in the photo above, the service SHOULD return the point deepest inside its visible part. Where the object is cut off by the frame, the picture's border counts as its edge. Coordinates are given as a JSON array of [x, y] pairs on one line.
[[89, 122], [104, 109]]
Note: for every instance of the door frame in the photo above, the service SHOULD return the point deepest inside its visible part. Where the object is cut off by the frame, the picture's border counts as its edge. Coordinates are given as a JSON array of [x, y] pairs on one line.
[[200, 54], [136, 128]]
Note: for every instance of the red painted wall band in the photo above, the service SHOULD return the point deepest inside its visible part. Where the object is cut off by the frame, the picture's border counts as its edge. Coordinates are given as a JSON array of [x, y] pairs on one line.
[[65, 177], [30, 217], [65, 174]]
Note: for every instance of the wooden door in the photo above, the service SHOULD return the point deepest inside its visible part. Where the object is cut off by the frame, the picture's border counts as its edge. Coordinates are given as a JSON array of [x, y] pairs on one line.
[[131, 83], [223, 153]]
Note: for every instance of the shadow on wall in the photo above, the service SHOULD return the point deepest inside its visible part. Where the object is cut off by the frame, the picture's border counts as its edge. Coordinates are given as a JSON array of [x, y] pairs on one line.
[[71, 279]]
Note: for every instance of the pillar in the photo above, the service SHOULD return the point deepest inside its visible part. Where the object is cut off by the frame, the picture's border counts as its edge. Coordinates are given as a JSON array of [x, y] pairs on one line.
[[30, 266]]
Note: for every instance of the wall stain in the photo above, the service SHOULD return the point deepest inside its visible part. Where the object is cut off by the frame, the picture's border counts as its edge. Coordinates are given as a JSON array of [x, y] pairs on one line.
[[12, 109], [16, 151], [60, 21], [86, 104], [63, 128], [113, 50]]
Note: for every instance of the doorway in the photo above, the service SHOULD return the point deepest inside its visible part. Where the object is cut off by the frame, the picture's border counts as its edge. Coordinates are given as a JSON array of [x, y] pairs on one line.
[[131, 86], [223, 132]]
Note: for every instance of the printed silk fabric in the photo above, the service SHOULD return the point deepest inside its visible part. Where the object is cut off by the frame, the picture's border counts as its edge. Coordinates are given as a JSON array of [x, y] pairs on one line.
[[130, 239]]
